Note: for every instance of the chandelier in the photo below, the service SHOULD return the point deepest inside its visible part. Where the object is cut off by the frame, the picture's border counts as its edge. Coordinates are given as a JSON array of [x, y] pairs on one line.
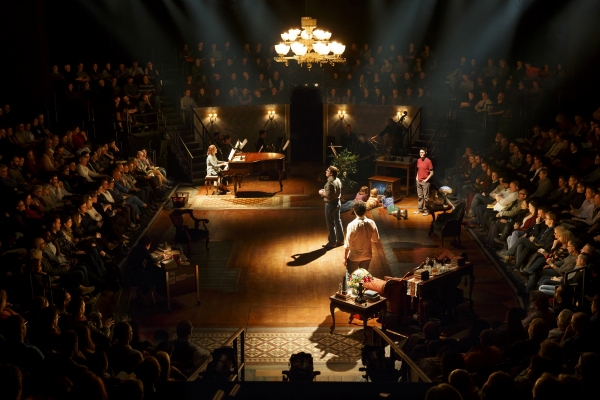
[[309, 46]]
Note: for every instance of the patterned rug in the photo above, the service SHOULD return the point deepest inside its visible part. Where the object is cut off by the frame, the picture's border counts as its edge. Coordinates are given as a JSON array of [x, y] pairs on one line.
[[230, 201], [344, 346], [337, 356]]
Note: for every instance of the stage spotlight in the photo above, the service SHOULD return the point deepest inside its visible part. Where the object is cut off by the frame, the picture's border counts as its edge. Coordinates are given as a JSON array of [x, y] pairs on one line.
[[301, 368], [222, 366], [377, 366]]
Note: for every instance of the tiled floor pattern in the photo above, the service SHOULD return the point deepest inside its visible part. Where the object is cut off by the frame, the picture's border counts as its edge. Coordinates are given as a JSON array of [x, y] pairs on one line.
[[336, 356]]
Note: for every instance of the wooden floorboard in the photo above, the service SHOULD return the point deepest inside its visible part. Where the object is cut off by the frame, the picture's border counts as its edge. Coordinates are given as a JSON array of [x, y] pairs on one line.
[[277, 274]]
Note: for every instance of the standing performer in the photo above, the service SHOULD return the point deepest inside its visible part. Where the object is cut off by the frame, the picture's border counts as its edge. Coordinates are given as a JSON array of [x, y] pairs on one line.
[[331, 194], [424, 173], [359, 235], [393, 136]]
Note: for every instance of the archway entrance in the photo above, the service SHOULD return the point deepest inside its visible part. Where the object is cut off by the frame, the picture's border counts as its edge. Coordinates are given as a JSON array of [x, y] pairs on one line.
[[306, 124]]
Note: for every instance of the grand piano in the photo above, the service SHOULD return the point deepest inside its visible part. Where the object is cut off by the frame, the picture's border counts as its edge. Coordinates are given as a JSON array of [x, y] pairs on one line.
[[244, 164]]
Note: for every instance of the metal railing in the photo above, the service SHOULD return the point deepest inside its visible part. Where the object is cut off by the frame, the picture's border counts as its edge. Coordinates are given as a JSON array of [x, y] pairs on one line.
[[410, 371], [413, 130], [204, 135], [435, 139], [237, 341], [146, 121], [182, 150]]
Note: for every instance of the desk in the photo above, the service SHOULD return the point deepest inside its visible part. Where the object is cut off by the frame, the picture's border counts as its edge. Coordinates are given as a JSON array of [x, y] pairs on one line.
[[182, 280], [365, 311], [439, 291], [410, 184]]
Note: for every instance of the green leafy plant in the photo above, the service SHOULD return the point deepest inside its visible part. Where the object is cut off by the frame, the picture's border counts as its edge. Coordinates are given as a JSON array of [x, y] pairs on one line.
[[345, 162]]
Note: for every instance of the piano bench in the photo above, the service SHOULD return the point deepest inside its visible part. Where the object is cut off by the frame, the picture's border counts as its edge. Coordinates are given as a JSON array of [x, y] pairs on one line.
[[208, 181]]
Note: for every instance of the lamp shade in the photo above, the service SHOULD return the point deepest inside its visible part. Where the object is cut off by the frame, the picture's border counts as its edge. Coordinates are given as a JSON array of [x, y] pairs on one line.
[[299, 48], [337, 48], [293, 34], [321, 48], [282, 49]]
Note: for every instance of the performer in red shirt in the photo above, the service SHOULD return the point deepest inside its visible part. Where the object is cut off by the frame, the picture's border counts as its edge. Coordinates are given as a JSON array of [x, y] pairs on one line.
[[424, 173]]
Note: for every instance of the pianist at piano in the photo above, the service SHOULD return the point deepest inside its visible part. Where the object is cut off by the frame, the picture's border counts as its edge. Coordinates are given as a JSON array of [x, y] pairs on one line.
[[214, 167]]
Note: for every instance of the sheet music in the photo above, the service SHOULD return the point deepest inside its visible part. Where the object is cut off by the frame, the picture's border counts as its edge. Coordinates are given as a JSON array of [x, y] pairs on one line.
[[237, 144], [243, 143], [259, 150], [231, 154], [286, 145]]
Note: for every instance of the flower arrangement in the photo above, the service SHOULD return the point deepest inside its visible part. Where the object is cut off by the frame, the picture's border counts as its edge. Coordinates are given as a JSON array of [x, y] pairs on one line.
[[358, 276], [444, 192]]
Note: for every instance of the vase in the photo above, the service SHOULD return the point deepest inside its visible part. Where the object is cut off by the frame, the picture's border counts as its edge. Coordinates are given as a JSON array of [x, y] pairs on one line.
[[360, 291]]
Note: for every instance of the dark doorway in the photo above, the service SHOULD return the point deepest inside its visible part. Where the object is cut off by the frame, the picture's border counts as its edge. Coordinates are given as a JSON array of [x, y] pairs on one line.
[[306, 124]]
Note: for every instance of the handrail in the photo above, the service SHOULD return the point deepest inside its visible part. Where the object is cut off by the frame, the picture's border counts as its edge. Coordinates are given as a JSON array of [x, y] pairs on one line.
[[240, 367], [136, 117], [205, 135], [411, 132], [179, 142], [437, 135], [415, 373]]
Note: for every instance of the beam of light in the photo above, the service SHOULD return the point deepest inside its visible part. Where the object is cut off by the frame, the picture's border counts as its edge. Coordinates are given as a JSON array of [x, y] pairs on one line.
[[479, 29], [402, 22], [259, 21], [179, 17], [208, 24], [497, 36], [576, 25]]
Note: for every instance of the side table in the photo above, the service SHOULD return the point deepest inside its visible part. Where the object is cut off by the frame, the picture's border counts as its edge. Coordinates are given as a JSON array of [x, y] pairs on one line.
[[365, 311]]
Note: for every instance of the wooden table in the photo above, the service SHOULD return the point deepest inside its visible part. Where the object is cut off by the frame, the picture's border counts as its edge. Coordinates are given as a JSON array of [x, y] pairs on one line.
[[410, 184], [438, 288], [182, 280], [365, 310]]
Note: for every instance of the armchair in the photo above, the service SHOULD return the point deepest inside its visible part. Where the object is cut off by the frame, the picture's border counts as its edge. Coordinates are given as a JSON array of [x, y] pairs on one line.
[[391, 289], [577, 278], [186, 235], [450, 224]]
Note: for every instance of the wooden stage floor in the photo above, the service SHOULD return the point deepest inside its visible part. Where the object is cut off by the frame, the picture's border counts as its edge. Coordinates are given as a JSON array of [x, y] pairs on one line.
[[267, 267]]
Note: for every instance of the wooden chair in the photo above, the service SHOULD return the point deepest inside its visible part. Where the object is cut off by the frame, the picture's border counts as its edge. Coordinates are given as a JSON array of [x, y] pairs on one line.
[[186, 235], [131, 282], [450, 224]]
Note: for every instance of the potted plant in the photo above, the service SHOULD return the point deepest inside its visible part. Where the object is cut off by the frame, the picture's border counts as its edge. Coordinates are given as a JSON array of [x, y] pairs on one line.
[[345, 162]]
